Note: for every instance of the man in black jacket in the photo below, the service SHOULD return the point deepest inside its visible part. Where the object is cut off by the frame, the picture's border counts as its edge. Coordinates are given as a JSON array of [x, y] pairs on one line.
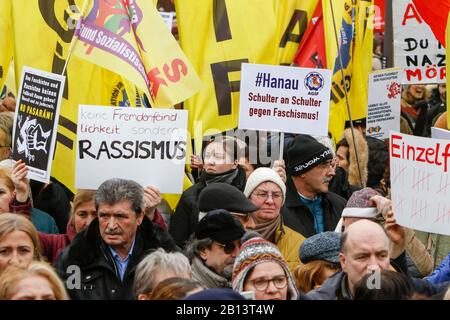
[[101, 260], [310, 208]]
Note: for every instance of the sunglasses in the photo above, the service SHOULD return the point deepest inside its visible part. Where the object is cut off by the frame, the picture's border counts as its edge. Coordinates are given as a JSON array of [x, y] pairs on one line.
[[229, 247]]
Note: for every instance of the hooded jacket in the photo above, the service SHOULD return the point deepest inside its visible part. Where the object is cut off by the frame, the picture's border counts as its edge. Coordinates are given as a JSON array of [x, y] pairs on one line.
[[99, 278], [185, 218]]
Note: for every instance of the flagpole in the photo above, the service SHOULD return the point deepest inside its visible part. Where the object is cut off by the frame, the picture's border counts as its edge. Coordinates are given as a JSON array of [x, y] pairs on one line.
[[346, 94], [74, 38]]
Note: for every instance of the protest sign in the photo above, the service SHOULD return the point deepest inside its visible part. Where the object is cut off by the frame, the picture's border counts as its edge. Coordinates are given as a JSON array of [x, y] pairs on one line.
[[145, 145], [420, 182], [36, 121], [285, 99], [383, 109], [416, 49], [438, 133]]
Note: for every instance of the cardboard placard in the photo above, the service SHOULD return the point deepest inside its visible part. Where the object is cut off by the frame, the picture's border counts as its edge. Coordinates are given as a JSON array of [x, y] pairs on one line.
[[36, 120], [145, 145]]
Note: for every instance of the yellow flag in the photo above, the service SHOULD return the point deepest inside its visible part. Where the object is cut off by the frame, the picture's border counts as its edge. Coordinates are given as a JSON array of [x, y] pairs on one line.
[[43, 42], [218, 36], [6, 40], [354, 20], [447, 51], [131, 39]]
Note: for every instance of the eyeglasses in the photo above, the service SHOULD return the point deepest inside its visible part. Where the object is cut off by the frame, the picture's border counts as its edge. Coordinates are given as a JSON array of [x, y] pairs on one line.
[[214, 155], [330, 164], [264, 195], [229, 247], [261, 284]]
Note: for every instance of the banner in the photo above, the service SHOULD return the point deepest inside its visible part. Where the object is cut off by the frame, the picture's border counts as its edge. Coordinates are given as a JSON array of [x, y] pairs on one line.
[[7, 40], [380, 13], [438, 133], [435, 16], [285, 99], [43, 43], [131, 39], [383, 109], [218, 36], [416, 49], [36, 120], [447, 54], [311, 51], [355, 51], [420, 182], [144, 145]]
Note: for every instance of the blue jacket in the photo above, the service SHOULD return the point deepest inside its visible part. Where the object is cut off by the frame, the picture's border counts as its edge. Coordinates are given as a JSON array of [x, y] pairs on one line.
[[43, 221], [441, 273]]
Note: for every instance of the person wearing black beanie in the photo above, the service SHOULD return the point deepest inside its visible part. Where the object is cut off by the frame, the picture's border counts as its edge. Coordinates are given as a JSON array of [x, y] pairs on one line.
[[310, 207]]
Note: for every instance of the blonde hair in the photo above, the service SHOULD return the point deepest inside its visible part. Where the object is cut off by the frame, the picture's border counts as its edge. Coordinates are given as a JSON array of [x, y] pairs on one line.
[[5, 175], [13, 275], [310, 275], [10, 222], [82, 196]]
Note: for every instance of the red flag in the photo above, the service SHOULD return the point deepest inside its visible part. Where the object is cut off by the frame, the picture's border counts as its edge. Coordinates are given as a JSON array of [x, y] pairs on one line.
[[311, 50], [435, 15]]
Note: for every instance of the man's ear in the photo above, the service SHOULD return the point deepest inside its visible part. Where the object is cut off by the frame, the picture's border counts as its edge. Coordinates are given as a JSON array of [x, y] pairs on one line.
[[140, 217], [343, 261], [203, 254]]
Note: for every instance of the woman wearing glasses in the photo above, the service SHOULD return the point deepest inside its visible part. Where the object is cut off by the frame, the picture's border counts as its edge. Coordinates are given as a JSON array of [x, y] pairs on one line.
[[261, 268], [267, 191]]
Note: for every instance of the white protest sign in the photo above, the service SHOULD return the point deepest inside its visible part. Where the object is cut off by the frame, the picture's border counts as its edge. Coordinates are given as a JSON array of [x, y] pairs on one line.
[[145, 145], [383, 109], [416, 49], [285, 99], [438, 133], [168, 18], [36, 121], [420, 182]]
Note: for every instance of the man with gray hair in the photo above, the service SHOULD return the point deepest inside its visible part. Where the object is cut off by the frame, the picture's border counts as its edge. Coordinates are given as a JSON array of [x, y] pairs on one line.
[[100, 262]]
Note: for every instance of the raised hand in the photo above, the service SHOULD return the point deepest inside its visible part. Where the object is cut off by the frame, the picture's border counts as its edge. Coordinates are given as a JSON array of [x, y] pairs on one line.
[[152, 198], [19, 177]]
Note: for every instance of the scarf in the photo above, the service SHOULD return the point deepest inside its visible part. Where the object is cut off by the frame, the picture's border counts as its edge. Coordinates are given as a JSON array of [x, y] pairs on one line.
[[267, 229], [226, 177], [206, 276]]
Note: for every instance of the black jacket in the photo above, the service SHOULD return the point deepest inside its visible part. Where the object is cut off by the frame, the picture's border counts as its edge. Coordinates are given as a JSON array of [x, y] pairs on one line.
[[185, 218], [298, 217], [99, 277]]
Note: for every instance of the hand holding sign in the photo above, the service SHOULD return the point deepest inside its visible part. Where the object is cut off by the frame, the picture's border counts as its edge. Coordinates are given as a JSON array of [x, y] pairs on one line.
[[19, 177], [152, 198]]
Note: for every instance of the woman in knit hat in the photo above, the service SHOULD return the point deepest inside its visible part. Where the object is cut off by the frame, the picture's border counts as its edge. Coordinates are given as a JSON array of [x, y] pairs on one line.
[[261, 268], [268, 192]]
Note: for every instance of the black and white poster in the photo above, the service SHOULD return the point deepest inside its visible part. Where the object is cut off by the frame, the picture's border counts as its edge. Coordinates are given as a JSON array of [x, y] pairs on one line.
[[36, 121]]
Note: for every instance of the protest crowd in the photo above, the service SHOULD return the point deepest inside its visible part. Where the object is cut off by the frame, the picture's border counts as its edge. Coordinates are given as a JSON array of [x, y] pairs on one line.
[[316, 221]]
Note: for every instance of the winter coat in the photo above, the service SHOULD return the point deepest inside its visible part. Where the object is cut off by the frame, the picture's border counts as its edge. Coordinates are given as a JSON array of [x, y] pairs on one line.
[[53, 244], [363, 157], [99, 278], [442, 272], [41, 220], [185, 218], [299, 218], [289, 242]]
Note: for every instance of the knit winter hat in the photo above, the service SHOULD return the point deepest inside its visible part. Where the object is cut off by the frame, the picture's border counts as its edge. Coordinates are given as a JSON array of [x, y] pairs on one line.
[[305, 153], [321, 246], [261, 175], [253, 252], [360, 206], [224, 196], [220, 226]]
